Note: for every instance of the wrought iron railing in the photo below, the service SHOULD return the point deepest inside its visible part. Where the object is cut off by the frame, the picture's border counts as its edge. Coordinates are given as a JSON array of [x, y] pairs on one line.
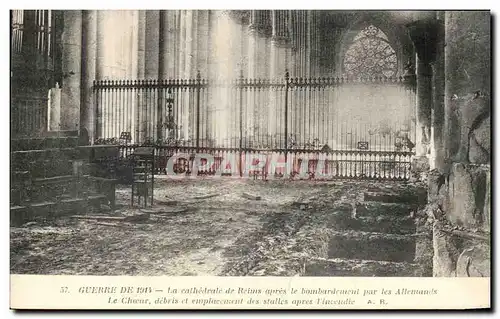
[[362, 127], [303, 164]]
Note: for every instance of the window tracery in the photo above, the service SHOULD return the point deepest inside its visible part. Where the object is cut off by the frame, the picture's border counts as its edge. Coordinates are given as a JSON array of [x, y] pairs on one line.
[[370, 55]]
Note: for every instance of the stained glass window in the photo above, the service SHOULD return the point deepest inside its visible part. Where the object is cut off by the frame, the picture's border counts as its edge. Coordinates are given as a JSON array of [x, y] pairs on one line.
[[370, 55]]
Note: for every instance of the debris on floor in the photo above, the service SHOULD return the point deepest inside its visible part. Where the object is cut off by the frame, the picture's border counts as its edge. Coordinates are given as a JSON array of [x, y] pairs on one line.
[[222, 235]]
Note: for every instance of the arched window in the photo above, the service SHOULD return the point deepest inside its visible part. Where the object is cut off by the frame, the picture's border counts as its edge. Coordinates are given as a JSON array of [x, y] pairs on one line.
[[370, 54]]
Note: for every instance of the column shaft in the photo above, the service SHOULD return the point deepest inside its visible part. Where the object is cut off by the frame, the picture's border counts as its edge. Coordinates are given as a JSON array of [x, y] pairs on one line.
[[141, 44], [438, 117], [424, 106], [152, 44], [71, 69], [89, 56]]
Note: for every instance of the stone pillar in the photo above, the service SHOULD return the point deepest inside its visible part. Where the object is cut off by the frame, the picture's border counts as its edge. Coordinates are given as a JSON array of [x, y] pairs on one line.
[[300, 53], [258, 63], [467, 101], [194, 54], [252, 70], [89, 52], [424, 106], [139, 132], [152, 44], [438, 118], [280, 42], [54, 108], [313, 42], [189, 25], [187, 72], [308, 43], [467, 182], [273, 95], [252, 45], [134, 44], [101, 44], [128, 39], [167, 44], [71, 69], [164, 44], [203, 34], [141, 44], [424, 36], [152, 54], [182, 43]]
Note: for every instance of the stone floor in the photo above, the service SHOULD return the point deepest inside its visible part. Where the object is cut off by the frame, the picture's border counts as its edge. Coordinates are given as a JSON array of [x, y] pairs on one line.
[[234, 227]]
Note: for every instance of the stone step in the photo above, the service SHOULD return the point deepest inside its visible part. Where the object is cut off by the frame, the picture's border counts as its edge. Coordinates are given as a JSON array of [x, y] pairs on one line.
[[362, 268], [371, 246], [381, 224], [49, 209], [375, 209], [414, 198]]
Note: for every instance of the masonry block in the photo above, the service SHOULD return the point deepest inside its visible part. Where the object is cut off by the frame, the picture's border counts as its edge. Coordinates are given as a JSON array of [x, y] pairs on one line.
[[467, 195]]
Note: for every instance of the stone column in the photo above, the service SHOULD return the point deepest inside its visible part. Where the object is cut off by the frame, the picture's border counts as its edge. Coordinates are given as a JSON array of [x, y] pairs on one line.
[[182, 43], [89, 57], [308, 43], [188, 126], [128, 40], [300, 61], [313, 43], [467, 107], [141, 44], [253, 42], [424, 106], [202, 40], [152, 44], [134, 45], [54, 108], [101, 44], [167, 43], [194, 54], [71, 69], [189, 25], [253, 34], [280, 42], [140, 132], [152, 50], [99, 67], [438, 118], [298, 64]]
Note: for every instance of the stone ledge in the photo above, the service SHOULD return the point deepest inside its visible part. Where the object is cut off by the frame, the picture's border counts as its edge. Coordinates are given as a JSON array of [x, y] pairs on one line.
[[363, 268]]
